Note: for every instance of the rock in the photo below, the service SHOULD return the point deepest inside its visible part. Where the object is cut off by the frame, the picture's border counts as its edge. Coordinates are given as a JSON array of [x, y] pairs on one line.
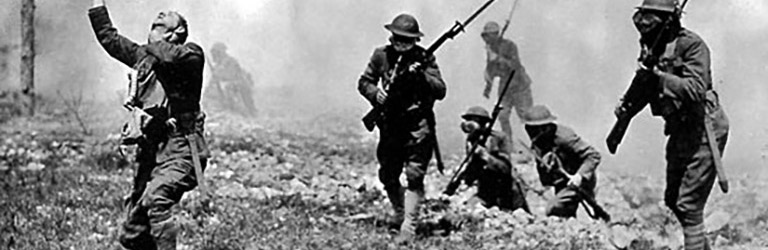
[[263, 193], [620, 236], [233, 190]]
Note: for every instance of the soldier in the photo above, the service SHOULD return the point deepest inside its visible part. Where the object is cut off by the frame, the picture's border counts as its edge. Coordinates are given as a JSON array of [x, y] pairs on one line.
[[407, 99], [174, 153], [565, 161], [498, 183], [231, 82], [675, 62], [502, 59]]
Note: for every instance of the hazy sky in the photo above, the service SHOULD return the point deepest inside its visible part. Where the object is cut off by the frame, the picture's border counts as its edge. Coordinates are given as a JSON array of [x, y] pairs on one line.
[[580, 55]]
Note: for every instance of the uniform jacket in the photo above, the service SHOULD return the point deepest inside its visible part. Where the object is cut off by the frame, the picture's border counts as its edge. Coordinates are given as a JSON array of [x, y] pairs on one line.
[[508, 59], [498, 145], [685, 92], [574, 153], [411, 94], [179, 68]]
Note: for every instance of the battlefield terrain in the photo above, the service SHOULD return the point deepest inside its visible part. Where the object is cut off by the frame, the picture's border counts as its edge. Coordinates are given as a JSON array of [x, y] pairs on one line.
[[279, 182]]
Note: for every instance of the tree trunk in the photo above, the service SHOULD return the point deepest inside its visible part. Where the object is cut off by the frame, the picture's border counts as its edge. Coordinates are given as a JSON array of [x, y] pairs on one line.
[[28, 54]]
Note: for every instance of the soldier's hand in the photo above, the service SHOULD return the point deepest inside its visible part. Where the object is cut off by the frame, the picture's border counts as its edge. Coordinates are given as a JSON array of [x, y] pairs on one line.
[[381, 96], [575, 180], [619, 111], [492, 56], [414, 67], [482, 153], [97, 3]]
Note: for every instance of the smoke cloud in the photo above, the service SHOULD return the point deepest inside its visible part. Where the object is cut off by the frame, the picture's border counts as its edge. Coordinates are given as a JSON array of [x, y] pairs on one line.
[[306, 57]]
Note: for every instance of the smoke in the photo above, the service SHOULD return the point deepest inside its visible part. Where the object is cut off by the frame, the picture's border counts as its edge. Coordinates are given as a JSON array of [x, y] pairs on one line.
[[306, 57]]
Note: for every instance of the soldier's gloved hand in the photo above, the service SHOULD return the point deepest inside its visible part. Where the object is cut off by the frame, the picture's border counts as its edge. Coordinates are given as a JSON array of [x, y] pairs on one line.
[[620, 111], [97, 3], [482, 153], [641, 67], [381, 96], [492, 56], [414, 67], [575, 180]]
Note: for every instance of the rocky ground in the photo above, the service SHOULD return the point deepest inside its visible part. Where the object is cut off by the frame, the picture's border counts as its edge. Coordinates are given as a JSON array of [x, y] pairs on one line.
[[312, 184]]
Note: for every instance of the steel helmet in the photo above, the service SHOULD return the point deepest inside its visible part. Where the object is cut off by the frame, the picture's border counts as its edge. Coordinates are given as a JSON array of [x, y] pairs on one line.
[[404, 25], [476, 111], [491, 27], [660, 5], [538, 115]]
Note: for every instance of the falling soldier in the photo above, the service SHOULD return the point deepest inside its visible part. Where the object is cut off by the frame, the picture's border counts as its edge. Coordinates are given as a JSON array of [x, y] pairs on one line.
[[674, 77], [564, 161], [498, 183], [411, 84], [502, 58], [172, 153]]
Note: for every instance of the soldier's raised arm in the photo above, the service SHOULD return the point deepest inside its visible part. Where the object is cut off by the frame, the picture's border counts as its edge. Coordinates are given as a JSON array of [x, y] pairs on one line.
[[116, 45]]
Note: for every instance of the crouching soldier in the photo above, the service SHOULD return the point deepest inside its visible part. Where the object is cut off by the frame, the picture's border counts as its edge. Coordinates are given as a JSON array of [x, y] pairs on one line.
[[173, 154], [490, 168], [564, 161]]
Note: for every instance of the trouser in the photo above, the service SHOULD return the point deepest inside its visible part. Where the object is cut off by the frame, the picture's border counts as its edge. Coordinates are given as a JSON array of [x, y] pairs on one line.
[[404, 149], [149, 223], [691, 175], [501, 190], [521, 100]]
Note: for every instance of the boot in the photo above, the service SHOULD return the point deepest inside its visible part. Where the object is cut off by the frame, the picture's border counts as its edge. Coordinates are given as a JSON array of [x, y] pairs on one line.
[[408, 228], [395, 196]]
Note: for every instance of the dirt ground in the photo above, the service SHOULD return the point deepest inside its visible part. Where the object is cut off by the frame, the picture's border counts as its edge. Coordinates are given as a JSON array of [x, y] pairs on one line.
[[281, 183]]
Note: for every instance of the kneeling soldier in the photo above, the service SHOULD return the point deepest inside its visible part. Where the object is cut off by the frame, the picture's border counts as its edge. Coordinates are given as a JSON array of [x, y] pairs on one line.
[[565, 161], [498, 184]]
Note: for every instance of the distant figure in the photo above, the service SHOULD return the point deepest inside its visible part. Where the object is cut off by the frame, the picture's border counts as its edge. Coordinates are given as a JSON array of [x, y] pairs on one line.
[[502, 58], [565, 161], [230, 85], [173, 153], [675, 63], [498, 183], [407, 101]]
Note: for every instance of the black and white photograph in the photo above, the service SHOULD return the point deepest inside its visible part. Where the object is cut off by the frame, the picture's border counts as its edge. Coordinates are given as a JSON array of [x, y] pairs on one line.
[[394, 124]]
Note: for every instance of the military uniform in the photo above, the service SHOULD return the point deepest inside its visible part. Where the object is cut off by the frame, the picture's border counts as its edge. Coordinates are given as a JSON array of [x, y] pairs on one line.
[[165, 158], [404, 129], [561, 147], [518, 94], [498, 183], [682, 94]]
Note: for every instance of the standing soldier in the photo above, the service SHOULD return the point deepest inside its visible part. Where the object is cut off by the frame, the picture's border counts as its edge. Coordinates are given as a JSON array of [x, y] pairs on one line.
[[502, 59], [498, 183], [173, 156], [565, 161], [231, 84], [675, 64], [407, 97]]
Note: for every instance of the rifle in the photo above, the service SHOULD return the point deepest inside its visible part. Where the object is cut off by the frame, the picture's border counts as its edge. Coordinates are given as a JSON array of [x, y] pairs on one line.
[[586, 200], [637, 96], [458, 176], [376, 113], [509, 19]]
